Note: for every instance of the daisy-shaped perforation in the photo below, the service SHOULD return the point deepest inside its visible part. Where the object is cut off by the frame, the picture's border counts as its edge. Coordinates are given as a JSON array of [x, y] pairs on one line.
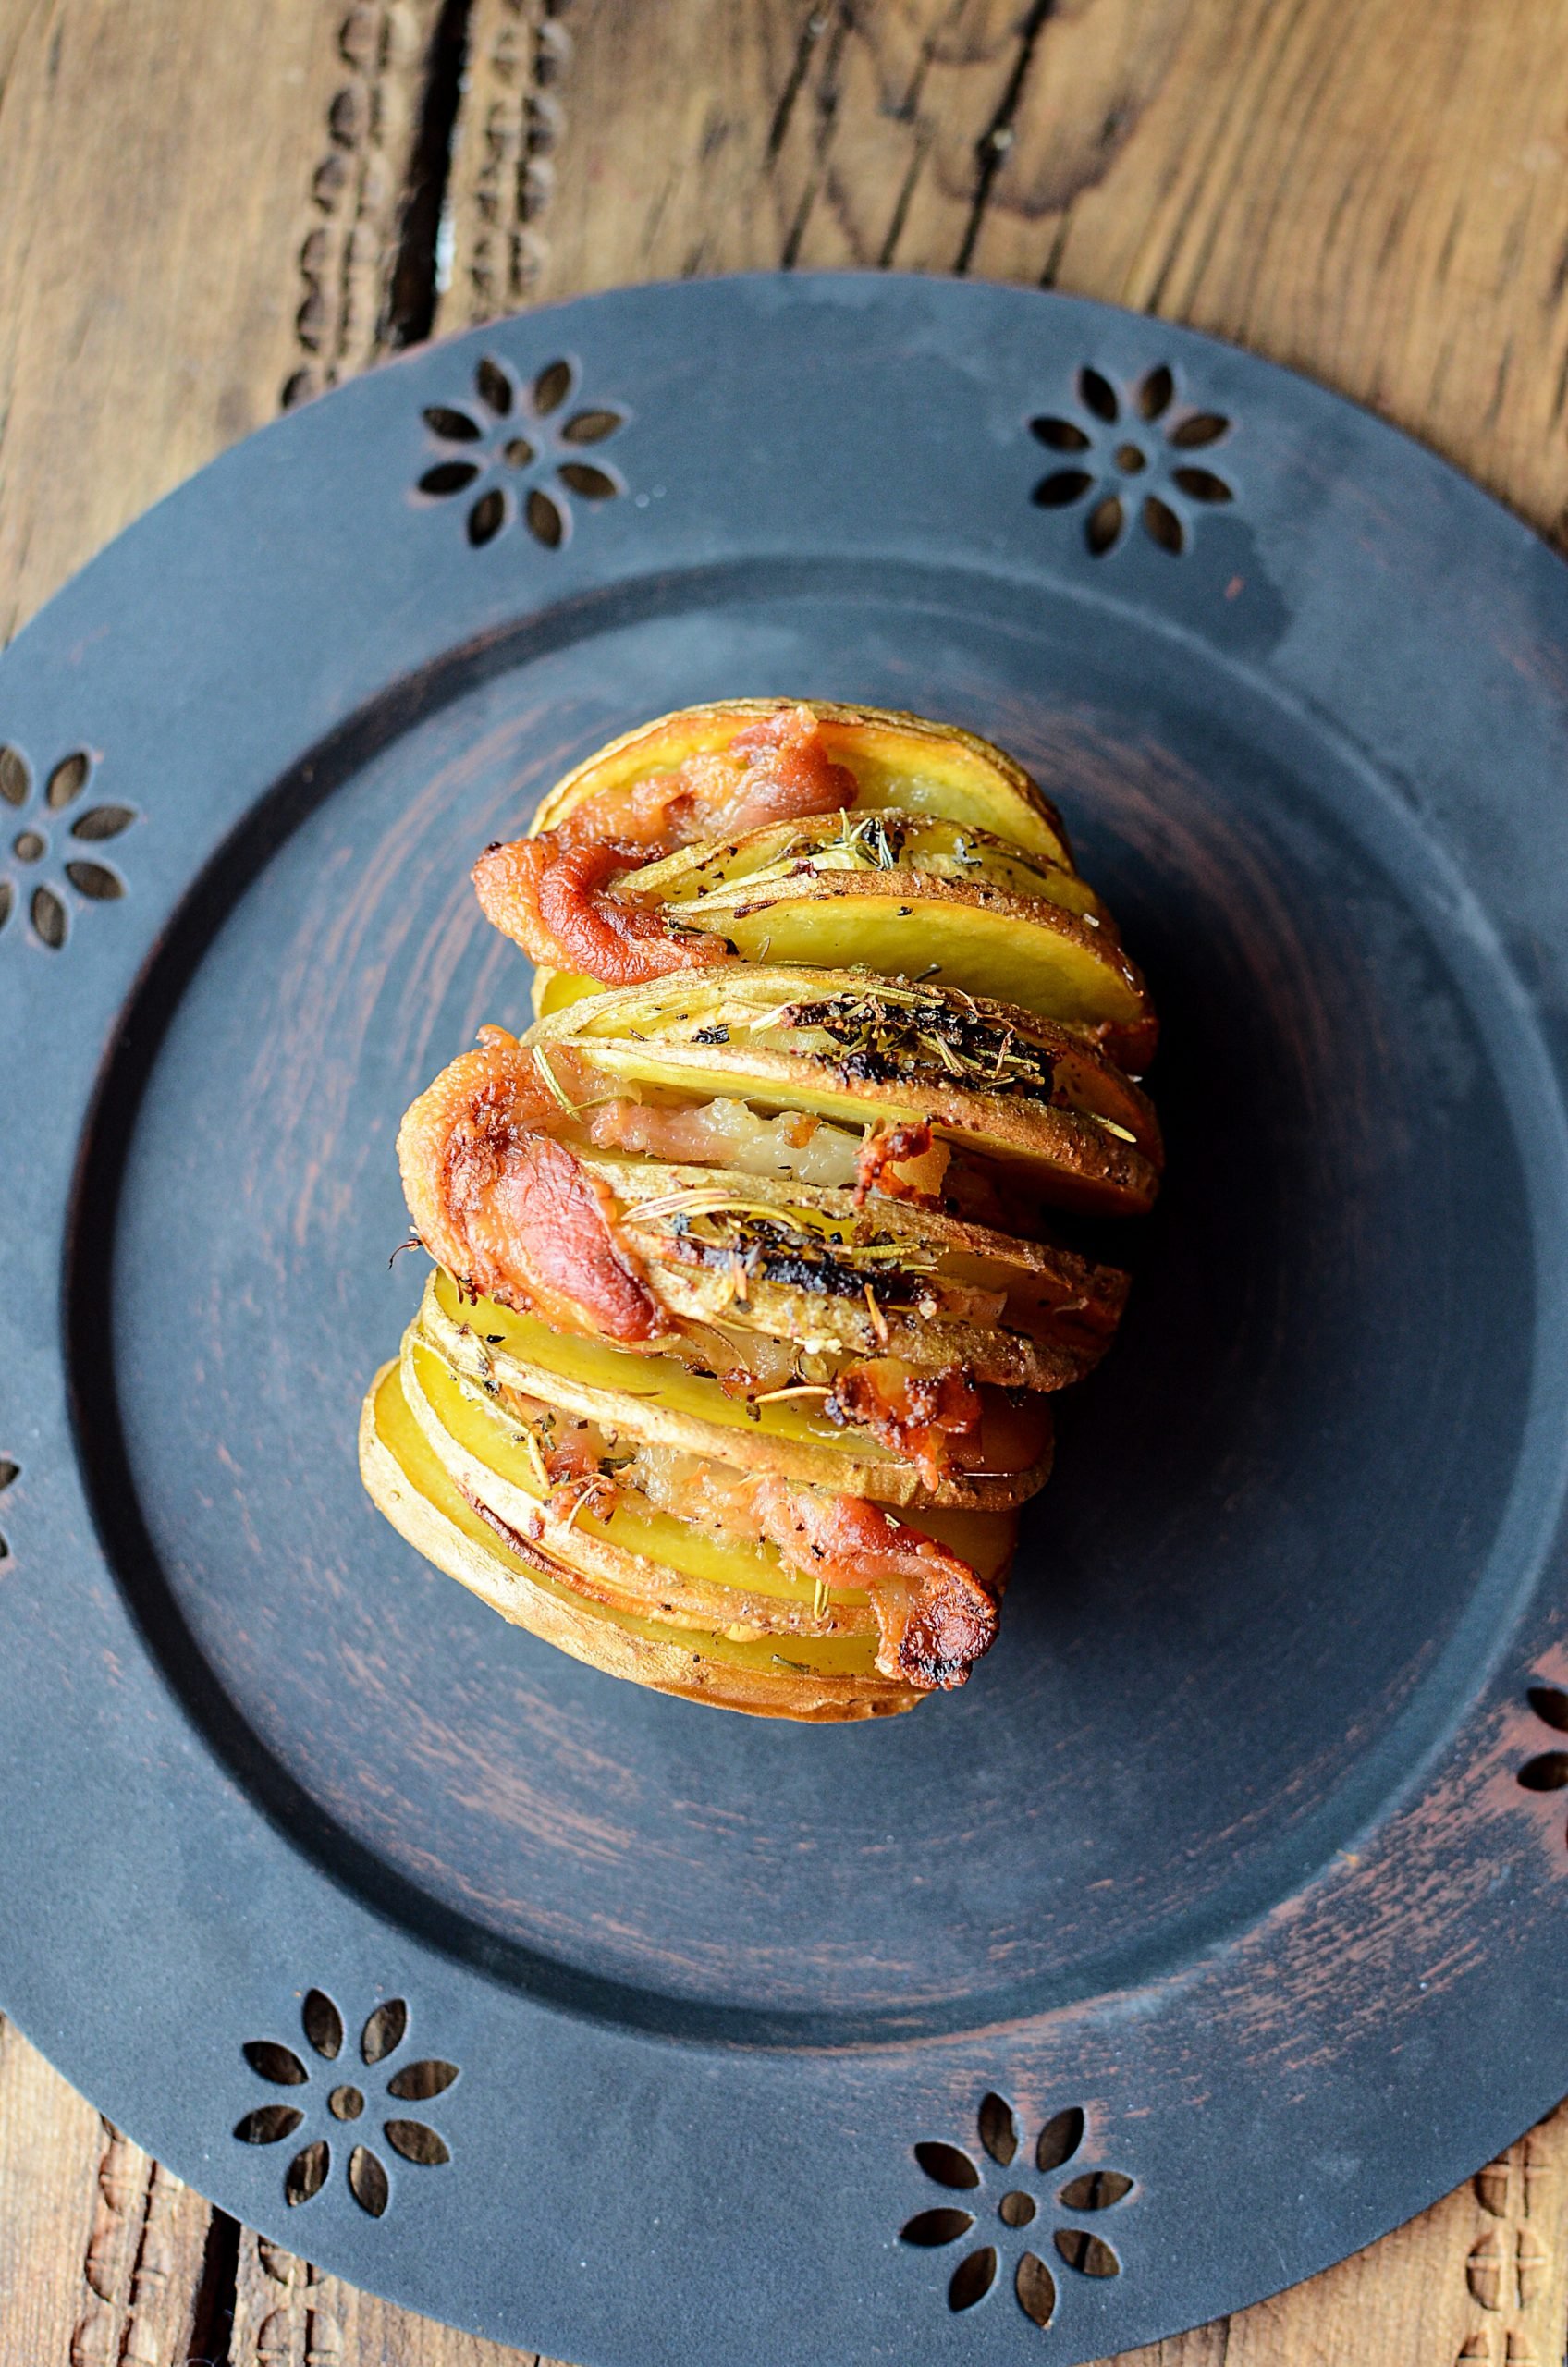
[[42, 832], [956, 2169], [346, 2101], [1548, 1771], [1125, 455], [519, 451]]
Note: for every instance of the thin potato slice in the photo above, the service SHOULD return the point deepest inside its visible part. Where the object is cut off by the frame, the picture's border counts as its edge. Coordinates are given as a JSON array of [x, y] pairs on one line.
[[1000, 1083], [636, 1559], [901, 894], [621, 1549], [887, 1279], [974, 937], [818, 1681], [899, 761], [864, 845], [657, 1398]]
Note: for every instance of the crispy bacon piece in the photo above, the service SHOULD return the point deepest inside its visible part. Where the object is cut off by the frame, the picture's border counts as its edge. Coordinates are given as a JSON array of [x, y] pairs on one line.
[[777, 770], [569, 1454], [555, 900], [511, 1211], [592, 1492], [885, 1148], [788, 774], [555, 894], [932, 1419], [934, 1615]]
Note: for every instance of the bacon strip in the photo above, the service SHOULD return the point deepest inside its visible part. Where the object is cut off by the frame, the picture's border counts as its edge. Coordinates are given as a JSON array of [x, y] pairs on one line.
[[885, 1148], [778, 770], [789, 774], [554, 899], [555, 894], [511, 1211], [934, 1617], [931, 1419]]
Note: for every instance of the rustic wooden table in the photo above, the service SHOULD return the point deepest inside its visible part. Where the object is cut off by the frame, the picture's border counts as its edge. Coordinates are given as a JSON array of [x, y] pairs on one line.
[[209, 207]]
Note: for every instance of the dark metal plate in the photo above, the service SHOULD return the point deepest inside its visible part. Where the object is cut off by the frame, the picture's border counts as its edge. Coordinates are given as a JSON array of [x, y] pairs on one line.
[[1220, 1871]]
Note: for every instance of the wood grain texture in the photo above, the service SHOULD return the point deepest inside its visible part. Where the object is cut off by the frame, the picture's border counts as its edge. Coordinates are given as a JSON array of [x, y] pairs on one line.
[[102, 2253], [199, 205], [290, 2315], [51, 2144], [130, 347], [207, 205], [1375, 193]]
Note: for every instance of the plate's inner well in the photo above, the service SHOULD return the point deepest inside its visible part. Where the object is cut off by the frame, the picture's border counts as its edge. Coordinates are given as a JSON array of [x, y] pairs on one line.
[[1244, 1604]]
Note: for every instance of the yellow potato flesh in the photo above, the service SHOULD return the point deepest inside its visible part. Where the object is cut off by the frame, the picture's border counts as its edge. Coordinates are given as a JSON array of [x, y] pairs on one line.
[[984, 1539], [892, 777], [595, 1365], [1002, 954], [898, 762], [399, 1434], [937, 849], [552, 989], [634, 1526], [1013, 1436], [762, 896]]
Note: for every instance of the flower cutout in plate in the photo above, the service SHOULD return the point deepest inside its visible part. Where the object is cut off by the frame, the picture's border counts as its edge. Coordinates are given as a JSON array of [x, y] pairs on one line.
[[10, 1473], [1548, 1771], [345, 2102], [40, 837], [516, 452], [1125, 454], [1016, 2207]]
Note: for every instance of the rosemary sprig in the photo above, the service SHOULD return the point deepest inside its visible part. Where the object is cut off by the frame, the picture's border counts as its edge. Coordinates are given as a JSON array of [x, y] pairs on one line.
[[709, 1199], [552, 1082]]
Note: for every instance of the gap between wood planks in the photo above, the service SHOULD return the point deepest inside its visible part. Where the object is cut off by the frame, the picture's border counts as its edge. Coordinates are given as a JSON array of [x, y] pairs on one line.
[[488, 85], [412, 284]]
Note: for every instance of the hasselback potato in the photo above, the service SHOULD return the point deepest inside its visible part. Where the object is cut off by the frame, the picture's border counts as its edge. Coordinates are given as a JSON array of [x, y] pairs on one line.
[[754, 1272]]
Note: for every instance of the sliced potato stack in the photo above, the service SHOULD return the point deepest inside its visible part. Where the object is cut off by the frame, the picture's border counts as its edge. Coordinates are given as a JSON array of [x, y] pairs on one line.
[[735, 1368]]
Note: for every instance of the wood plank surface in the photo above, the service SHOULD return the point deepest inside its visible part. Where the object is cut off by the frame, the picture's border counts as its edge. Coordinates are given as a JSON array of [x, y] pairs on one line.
[[210, 208]]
